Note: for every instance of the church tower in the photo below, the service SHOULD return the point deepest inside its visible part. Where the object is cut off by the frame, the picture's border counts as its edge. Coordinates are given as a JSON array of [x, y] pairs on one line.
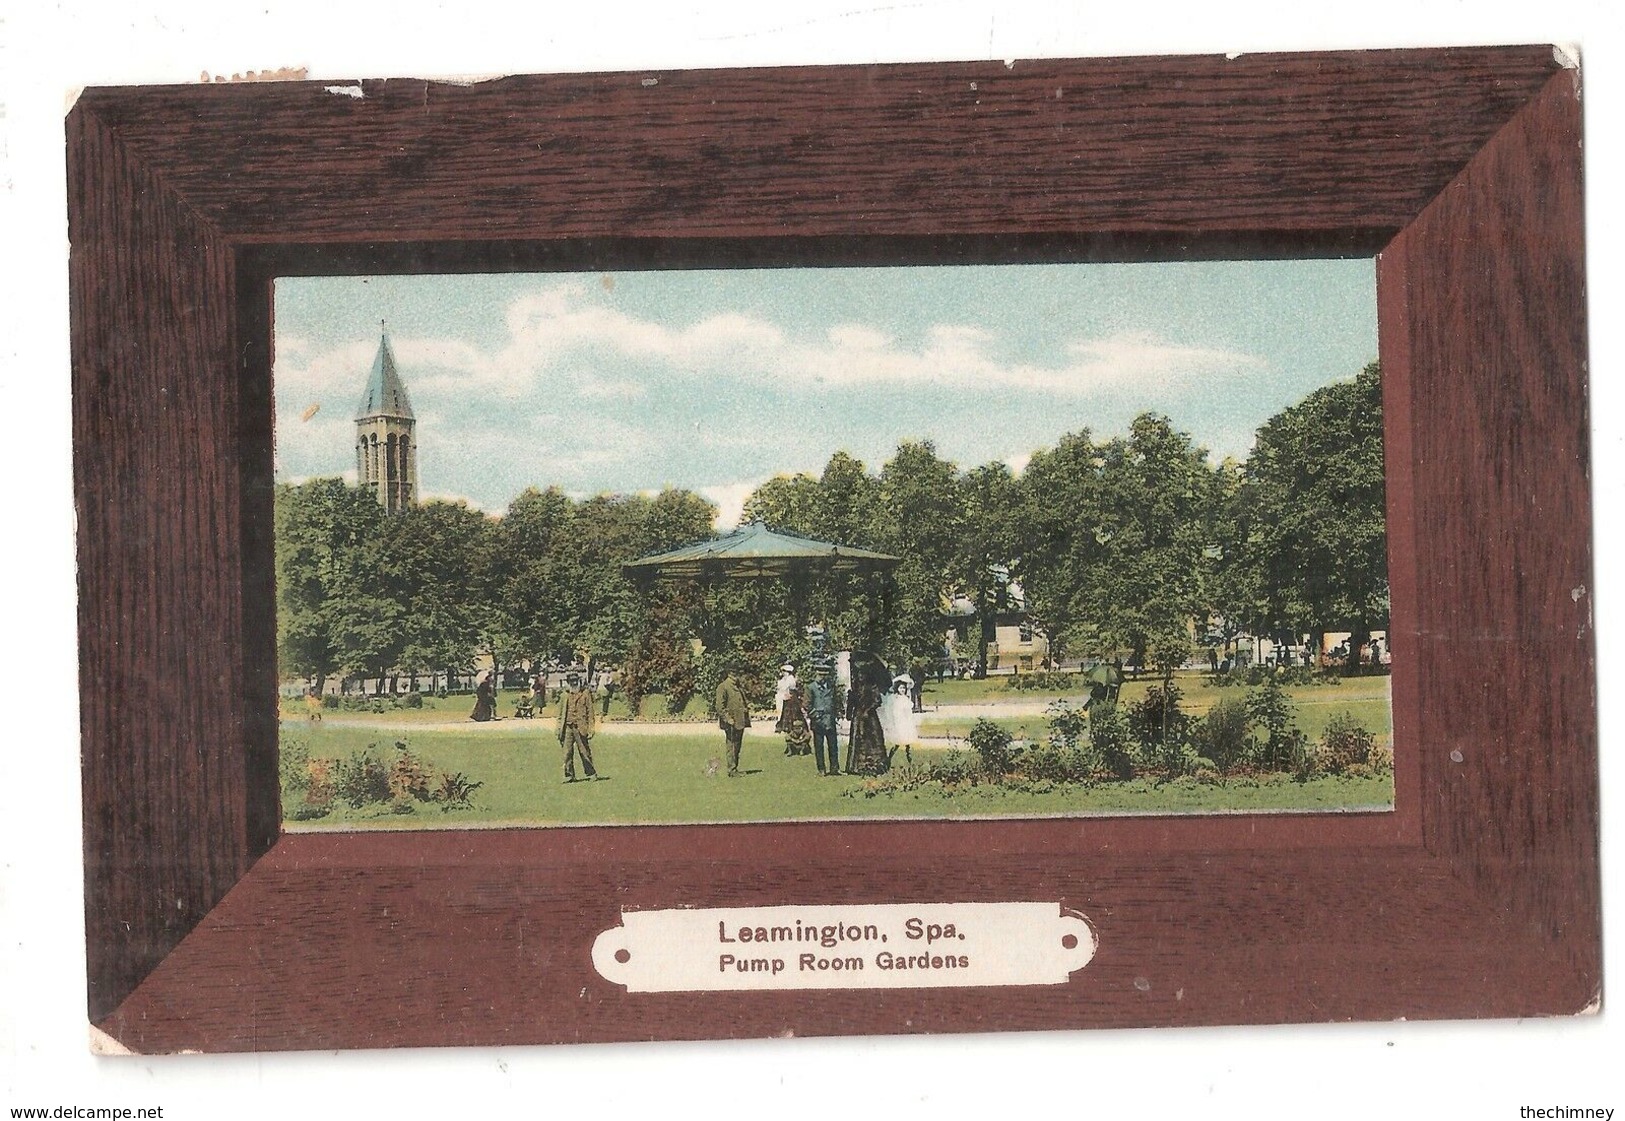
[[386, 452]]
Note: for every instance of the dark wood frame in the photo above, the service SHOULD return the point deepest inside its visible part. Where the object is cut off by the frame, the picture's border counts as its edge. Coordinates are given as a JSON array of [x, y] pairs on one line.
[[1479, 896]]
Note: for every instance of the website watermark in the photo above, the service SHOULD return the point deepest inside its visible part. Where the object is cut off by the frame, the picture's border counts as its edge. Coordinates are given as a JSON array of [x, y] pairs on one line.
[[90, 1112]]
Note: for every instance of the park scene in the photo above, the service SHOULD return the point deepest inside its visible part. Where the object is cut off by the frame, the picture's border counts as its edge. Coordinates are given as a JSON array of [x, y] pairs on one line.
[[781, 545]]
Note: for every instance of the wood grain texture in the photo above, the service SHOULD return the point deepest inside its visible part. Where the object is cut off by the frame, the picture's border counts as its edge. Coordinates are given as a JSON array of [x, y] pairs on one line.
[[171, 819], [1193, 146], [1477, 897], [1493, 273], [424, 939]]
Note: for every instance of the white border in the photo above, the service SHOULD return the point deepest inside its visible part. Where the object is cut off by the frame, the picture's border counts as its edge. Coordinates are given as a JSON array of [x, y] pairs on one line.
[[1485, 1070]]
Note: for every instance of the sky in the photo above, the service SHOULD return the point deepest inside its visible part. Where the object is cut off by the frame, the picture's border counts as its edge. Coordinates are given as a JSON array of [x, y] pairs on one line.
[[716, 380]]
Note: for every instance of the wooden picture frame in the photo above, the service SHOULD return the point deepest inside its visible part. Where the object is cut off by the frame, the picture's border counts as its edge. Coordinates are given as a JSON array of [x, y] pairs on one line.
[[1459, 169]]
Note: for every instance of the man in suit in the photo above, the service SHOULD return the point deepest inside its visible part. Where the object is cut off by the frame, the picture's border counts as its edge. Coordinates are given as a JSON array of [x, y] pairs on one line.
[[733, 717], [576, 717], [821, 714]]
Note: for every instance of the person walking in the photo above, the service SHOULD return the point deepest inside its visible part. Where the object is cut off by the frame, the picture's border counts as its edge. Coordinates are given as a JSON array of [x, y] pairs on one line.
[[485, 702], [576, 718], [733, 717]]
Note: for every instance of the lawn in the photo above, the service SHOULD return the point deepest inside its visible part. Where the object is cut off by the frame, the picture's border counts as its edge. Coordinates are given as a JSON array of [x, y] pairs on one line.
[[676, 777]]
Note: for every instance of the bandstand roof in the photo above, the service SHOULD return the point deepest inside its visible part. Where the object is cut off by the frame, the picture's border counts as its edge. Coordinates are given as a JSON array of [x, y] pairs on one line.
[[754, 551]]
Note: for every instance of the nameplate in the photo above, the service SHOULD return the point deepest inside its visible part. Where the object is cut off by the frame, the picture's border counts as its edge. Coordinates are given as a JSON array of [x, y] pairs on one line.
[[877, 946]]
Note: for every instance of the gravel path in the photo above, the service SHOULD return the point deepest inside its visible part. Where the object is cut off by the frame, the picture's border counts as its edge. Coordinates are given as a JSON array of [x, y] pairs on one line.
[[764, 724]]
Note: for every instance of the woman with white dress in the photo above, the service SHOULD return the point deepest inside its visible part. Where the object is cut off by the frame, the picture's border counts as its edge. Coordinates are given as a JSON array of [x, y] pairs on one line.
[[897, 719]]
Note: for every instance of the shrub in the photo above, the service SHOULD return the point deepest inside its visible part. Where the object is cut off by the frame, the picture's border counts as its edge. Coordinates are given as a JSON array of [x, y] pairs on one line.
[[409, 777], [1224, 735], [413, 699], [319, 789], [892, 782], [1162, 729], [1109, 738], [1260, 672], [992, 746], [362, 778], [681, 685], [1068, 726], [1050, 763], [1302, 760], [330, 700], [455, 791], [954, 768], [1382, 759], [293, 767], [1344, 744], [1273, 711]]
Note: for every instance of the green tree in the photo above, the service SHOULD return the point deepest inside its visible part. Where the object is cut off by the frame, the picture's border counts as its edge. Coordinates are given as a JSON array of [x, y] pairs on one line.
[[922, 520], [1117, 556], [1053, 542], [1316, 528], [1237, 602], [791, 504], [850, 503], [528, 574], [321, 527], [435, 566], [608, 613], [987, 545]]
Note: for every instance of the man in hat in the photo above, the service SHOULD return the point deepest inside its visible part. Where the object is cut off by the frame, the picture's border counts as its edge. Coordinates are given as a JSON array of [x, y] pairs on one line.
[[576, 716], [733, 717], [821, 715]]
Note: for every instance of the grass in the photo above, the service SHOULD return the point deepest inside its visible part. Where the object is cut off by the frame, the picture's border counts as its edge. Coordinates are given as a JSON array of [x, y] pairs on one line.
[[677, 777]]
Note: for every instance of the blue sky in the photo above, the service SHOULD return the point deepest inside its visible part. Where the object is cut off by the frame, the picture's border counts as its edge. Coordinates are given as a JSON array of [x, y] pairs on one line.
[[718, 380]]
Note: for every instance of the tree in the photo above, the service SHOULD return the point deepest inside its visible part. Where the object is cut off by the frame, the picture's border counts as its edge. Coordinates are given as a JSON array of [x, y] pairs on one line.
[[321, 528], [608, 614], [436, 569], [1118, 534], [528, 575], [1236, 597], [850, 501], [1052, 538], [1316, 530], [922, 520], [987, 545], [791, 504]]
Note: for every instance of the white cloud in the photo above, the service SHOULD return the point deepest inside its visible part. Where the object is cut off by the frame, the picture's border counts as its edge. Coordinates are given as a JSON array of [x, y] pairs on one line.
[[448, 496], [561, 343], [730, 501], [557, 399]]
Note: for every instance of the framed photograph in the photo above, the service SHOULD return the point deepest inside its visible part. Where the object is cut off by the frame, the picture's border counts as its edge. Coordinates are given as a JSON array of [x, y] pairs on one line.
[[226, 913]]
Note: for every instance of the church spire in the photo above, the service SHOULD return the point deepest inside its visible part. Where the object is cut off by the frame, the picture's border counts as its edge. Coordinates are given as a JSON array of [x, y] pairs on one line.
[[386, 454], [385, 395]]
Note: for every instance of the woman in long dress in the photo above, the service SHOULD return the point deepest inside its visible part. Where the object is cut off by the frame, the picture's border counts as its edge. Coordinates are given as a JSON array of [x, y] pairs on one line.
[[793, 723], [897, 719], [485, 700]]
